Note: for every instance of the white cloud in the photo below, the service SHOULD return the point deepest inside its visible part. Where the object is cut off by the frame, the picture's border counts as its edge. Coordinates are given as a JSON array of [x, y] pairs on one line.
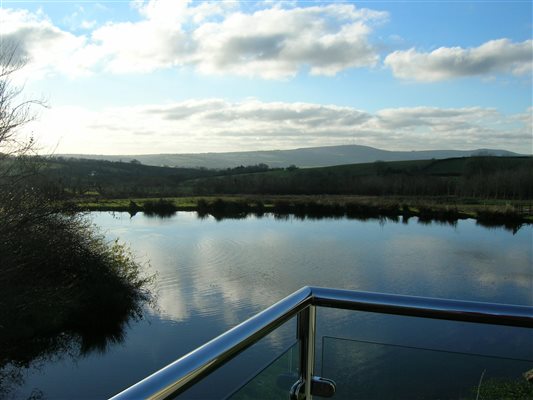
[[215, 37], [278, 43], [271, 40], [492, 57], [217, 125], [138, 47], [46, 47], [164, 12]]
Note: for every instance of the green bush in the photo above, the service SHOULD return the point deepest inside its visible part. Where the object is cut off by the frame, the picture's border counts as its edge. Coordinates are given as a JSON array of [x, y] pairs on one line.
[[63, 286]]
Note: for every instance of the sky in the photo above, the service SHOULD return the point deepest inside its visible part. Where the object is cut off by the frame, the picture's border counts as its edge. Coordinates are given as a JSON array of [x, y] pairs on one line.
[[178, 76]]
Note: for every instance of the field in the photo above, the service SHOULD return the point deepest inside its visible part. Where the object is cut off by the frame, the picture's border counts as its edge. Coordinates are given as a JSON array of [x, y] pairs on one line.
[[498, 188]]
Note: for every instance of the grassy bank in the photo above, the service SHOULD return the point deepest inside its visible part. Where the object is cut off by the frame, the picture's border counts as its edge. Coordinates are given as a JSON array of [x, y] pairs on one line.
[[439, 208]]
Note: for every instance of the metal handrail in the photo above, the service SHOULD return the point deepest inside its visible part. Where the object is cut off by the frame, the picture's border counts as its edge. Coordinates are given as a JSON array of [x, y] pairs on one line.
[[184, 372]]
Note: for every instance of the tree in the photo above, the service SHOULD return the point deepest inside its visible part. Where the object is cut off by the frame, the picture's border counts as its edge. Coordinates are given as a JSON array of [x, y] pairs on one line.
[[13, 114], [62, 285], [17, 188]]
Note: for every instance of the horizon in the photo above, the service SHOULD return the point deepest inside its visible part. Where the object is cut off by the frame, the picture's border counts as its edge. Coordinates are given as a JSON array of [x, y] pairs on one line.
[[275, 150], [190, 77]]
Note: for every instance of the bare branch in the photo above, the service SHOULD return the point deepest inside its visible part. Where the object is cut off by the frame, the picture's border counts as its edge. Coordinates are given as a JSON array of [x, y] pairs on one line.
[[15, 112]]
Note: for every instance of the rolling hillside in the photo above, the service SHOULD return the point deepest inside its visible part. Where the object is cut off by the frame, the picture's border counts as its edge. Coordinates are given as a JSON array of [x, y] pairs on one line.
[[487, 177], [495, 177], [483, 176], [303, 158]]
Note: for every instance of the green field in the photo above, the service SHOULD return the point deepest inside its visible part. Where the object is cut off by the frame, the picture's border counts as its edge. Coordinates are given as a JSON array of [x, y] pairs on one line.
[[481, 187], [509, 178], [478, 177]]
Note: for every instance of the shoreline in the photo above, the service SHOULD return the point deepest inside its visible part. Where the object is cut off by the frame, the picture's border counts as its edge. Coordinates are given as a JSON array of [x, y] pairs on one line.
[[494, 211]]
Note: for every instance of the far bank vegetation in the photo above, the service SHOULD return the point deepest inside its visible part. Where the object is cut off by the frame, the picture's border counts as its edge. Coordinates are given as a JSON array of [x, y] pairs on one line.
[[484, 177]]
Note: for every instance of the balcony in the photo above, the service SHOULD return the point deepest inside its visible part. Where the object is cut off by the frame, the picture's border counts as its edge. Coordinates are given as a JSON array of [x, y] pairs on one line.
[[344, 372]]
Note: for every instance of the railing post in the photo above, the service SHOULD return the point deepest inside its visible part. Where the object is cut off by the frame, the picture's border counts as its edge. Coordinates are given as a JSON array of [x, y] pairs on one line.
[[306, 333], [309, 373]]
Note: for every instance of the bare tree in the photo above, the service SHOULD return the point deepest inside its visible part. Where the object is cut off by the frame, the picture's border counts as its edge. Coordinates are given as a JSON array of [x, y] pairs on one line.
[[19, 201], [14, 112]]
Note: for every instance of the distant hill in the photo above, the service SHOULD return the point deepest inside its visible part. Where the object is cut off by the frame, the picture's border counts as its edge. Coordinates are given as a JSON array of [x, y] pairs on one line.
[[305, 157]]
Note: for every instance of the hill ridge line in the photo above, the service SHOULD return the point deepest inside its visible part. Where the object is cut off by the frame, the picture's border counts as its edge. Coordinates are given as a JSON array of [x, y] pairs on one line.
[[301, 157]]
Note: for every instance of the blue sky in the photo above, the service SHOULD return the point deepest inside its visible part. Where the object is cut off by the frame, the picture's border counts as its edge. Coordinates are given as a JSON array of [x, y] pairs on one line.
[[170, 76]]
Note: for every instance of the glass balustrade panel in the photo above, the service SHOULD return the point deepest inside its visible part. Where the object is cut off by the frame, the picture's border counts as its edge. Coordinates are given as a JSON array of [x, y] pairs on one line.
[[373, 370], [274, 381]]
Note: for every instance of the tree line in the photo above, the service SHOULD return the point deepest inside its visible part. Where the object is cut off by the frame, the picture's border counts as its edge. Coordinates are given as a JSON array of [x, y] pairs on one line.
[[479, 177]]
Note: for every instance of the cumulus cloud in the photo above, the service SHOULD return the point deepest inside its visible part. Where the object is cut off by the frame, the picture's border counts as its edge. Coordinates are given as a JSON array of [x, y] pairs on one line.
[[270, 39], [277, 42], [492, 57], [42, 44], [218, 125], [138, 47], [273, 41]]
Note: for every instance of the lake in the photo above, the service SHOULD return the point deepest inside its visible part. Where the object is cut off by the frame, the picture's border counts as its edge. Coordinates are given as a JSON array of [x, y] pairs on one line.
[[213, 274]]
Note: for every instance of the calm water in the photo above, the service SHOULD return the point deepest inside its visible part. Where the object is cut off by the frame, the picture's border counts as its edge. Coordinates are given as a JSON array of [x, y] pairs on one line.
[[211, 275]]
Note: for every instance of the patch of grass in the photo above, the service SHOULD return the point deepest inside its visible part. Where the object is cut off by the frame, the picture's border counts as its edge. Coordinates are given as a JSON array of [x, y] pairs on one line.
[[430, 208], [504, 389]]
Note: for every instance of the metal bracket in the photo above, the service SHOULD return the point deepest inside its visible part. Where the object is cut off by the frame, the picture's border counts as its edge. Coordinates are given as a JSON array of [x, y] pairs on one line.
[[323, 387], [319, 387], [297, 391]]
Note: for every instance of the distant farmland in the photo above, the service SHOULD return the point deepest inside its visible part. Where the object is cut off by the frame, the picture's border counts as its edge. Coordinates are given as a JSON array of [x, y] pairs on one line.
[[477, 177]]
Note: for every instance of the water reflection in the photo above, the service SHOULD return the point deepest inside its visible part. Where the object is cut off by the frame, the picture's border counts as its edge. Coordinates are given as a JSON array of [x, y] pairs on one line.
[[214, 272], [513, 226], [30, 346], [305, 213], [252, 261]]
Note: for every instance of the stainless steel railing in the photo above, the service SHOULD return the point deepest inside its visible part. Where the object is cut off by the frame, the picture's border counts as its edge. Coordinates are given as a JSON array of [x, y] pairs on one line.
[[184, 372]]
